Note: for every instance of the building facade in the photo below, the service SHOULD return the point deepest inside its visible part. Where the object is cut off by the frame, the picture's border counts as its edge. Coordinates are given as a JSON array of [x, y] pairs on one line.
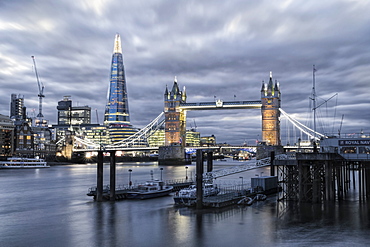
[[16, 106], [158, 138], [208, 141], [72, 115], [116, 116], [6, 136]]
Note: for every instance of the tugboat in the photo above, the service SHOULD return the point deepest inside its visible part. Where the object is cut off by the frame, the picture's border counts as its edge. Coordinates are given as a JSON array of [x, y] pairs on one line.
[[150, 189], [189, 195]]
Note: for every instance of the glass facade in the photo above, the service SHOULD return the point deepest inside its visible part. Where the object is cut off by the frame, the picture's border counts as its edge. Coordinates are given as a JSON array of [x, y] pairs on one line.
[[117, 117], [72, 115]]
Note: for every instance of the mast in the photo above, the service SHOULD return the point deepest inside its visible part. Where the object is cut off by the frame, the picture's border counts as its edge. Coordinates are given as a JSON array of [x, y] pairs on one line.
[[314, 100]]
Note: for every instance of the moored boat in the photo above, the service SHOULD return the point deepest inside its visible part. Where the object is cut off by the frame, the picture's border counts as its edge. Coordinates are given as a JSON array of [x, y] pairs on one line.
[[150, 189], [189, 194], [260, 197], [23, 163], [246, 200]]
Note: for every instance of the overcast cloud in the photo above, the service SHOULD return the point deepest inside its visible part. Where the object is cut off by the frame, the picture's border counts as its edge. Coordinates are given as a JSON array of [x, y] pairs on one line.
[[215, 48]]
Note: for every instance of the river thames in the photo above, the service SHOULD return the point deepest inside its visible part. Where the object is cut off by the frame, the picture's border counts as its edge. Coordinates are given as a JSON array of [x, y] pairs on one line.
[[49, 207]]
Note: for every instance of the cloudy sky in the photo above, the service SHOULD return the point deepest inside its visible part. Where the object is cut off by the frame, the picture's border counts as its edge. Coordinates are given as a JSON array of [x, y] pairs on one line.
[[215, 48]]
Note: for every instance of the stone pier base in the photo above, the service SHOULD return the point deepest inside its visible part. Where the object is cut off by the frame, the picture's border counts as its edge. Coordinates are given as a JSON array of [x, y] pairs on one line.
[[172, 155]]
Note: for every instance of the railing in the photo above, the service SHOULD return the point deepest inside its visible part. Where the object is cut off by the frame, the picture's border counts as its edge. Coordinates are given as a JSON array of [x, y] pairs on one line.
[[237, 169]]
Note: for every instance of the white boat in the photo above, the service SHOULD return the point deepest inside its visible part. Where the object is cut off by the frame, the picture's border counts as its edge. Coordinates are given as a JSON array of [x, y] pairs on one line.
[[260, 197], [246, 201], [150, 189], [23, 163], [189, 194]]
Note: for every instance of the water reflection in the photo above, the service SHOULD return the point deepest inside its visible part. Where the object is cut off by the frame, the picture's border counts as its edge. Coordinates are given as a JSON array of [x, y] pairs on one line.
[[50, 208]]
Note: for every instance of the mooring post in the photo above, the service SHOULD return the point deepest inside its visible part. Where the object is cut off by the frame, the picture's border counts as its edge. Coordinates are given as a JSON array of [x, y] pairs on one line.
[[112, 169], [272, 159], [199, 179], [209, 161], [99, 183]]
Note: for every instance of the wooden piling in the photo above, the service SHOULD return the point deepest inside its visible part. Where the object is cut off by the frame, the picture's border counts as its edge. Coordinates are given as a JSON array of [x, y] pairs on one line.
[[199, 179], [99, 183], [209, 161], [112, 177]]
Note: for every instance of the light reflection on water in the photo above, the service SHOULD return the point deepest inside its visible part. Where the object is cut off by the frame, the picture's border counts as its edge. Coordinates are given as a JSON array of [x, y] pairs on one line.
[[49, 207]]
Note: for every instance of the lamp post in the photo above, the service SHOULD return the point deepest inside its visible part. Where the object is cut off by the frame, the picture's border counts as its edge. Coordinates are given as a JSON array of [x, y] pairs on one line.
[[242, 182], [186, 173], [129, 183], [161, 172]]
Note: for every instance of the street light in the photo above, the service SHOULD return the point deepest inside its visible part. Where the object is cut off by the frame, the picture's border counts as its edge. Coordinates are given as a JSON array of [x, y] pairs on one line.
[[242, 181], [129, 183], [186, 173], [161, 172]]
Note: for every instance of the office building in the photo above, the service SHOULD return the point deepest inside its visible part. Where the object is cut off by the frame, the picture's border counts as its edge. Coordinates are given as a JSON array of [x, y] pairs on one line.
[[72, 115], [17, 109], [117, 117]]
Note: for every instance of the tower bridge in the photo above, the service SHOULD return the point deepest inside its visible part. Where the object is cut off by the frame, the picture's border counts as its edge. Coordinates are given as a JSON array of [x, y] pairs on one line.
[[176, 108], [174, 120]]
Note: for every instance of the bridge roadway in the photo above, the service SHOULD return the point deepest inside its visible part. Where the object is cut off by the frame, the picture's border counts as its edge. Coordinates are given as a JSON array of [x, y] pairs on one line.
[[156, 148]]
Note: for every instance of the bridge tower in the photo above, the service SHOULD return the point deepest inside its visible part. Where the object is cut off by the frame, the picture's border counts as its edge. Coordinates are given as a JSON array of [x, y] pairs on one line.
[[175, 127], [270, 98], [175, 118]]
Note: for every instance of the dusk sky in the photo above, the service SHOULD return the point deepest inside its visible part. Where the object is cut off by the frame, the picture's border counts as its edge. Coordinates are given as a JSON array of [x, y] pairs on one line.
[[215, 48]]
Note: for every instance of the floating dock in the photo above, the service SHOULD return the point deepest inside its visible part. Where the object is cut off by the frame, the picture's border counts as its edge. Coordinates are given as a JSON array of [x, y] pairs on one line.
[[122, 191]]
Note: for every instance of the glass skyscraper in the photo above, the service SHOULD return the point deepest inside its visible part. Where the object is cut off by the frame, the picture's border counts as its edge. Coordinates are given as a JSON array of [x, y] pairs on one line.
[[117, 117]]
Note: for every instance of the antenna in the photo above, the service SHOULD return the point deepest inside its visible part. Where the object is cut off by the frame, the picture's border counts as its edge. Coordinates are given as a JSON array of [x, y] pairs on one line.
[[97, 116]]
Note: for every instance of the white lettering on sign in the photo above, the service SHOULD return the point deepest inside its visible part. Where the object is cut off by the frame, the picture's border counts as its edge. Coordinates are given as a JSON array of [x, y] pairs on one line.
[[354, 142]]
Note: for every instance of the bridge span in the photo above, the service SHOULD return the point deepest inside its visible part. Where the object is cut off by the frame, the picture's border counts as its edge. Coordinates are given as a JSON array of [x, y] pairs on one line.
[[143, 148]]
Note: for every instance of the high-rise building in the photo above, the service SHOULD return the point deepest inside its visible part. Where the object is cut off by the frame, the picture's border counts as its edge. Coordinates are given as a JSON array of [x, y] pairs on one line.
[[16, 106], [117, 117], [72, 115]]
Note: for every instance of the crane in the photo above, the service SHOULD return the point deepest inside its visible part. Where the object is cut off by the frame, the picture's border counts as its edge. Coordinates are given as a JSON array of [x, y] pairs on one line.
[[41, 89]]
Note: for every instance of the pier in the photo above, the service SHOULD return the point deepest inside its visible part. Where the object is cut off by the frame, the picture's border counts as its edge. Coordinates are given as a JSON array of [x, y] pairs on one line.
[[318, 177]]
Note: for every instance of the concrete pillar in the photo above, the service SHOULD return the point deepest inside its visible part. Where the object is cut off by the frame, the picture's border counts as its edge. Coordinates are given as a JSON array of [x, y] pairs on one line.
[[112, 177], [99, 183], [209, 161], [199, 179]]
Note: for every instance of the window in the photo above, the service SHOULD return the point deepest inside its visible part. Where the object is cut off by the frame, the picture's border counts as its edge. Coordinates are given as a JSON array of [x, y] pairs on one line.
[[348, 150]]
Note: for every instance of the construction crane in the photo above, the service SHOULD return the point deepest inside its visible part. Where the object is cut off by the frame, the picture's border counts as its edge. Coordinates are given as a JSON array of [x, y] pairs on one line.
[[41, 89]]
